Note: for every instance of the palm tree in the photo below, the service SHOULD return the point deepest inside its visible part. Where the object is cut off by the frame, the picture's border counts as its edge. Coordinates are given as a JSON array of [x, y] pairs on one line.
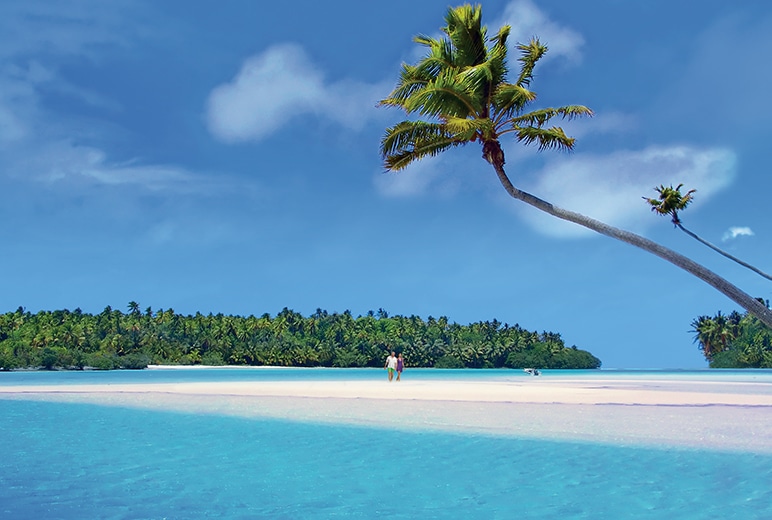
[[670, 201], [460, 89], [715, 334]]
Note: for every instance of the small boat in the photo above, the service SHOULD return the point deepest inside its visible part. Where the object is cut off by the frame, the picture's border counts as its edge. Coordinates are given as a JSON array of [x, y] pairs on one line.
[[532, 371]]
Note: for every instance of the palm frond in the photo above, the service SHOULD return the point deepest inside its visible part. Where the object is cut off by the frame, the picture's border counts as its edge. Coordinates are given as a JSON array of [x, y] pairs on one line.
[[443, 97], [529, 55], [404, 134], [439, 57], [411, 80], [426, 41], [509, 100], [468, 129], [547, 138], [497, 56], [415, 77], [541, 117], [464, 29], [657, 206], [410, 141], [476, 79]]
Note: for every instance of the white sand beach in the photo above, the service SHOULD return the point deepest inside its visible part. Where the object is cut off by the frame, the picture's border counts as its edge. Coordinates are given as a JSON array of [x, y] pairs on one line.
[[701, 414]]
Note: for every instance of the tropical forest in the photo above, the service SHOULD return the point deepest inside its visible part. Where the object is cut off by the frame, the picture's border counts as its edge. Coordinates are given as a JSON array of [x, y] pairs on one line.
[[112, 339]]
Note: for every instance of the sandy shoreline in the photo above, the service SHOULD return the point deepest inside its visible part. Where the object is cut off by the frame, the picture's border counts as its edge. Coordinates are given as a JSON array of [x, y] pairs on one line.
[[700, 414]]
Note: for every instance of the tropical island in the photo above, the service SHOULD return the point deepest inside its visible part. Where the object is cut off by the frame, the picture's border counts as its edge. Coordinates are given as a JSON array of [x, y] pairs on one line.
[[64, 339]]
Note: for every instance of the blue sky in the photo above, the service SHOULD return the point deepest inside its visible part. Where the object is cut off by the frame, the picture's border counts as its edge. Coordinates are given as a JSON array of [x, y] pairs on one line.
[[223, 157]]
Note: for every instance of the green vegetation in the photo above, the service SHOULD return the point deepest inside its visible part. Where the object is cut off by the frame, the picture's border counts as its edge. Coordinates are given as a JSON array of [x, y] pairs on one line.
[[734, 341], [458, 94], [113, 339]]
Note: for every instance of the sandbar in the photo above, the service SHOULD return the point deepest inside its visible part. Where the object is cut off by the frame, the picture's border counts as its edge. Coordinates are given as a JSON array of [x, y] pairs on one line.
[[689, 414]]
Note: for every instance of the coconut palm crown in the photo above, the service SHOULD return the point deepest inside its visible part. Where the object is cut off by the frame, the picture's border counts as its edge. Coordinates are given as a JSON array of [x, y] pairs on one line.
[[670, 201], [460, 87]]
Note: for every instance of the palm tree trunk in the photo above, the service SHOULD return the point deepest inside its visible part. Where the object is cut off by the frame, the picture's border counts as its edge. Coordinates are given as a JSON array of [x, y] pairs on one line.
[[752, 305], [722, 252]]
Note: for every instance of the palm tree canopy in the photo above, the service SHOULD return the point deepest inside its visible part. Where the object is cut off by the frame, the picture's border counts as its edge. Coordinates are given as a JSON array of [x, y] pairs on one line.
[[460, 90], [670, 201]]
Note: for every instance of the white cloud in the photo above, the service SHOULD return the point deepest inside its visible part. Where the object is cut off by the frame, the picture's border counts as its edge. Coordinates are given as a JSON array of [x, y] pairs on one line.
[[446, 175], [610, 187], [37, 144], [279, 85], [600, 123], [527, 21], [63, 160], [413, 181], [268, 90], [734, 232]]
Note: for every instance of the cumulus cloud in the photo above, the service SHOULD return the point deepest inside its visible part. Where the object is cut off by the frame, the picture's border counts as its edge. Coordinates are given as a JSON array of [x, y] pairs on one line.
[[527, 21], [268, 90], [279, 85], [734, 232], [609, 187]]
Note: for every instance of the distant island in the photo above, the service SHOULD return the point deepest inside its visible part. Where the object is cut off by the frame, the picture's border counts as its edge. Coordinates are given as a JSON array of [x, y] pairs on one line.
[[734, 340], [64, 339]]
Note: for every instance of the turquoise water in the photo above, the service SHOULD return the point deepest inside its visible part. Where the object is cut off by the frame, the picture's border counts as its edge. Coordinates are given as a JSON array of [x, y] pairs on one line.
[[79, 461], [165, 375]]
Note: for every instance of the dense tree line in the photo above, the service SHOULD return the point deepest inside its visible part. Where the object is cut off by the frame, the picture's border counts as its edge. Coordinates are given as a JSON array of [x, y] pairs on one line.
[[734, 340], [113, 339]]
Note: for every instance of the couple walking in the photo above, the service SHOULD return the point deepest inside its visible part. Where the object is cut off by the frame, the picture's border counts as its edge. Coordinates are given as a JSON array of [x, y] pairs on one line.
[[394, 364]]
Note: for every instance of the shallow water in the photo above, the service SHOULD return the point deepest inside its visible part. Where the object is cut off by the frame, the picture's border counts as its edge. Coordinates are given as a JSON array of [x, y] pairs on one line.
[[75, 461], [189, 374]]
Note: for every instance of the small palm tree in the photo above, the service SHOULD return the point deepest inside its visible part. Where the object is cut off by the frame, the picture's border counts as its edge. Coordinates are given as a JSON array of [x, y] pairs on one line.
[[705, 331], [671, 201], [715, 334], [133, 308], [460, 88]]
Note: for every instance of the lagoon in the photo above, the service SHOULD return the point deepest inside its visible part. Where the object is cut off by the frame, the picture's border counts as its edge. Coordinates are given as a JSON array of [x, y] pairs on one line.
[[175, 454]]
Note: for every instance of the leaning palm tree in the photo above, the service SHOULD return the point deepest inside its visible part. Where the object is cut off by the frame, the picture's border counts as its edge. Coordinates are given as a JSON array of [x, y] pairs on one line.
[[460, 89], [670, 201]]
